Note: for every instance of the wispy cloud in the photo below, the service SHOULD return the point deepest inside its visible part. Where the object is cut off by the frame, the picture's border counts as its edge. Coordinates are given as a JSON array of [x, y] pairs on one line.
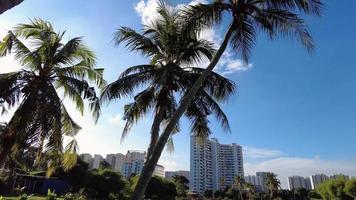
[[260, 153]]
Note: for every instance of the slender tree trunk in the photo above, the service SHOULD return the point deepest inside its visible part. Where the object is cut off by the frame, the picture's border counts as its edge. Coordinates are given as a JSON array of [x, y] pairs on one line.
[[155, 131], [150, 164]]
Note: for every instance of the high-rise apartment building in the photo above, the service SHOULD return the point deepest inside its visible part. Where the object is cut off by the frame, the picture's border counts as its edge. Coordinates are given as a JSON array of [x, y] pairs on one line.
[[256, 181], [213, 166], [128, 165], [317, 179], [86, 157], [116, 161], [96, 161], [296, 182], [132, 155]]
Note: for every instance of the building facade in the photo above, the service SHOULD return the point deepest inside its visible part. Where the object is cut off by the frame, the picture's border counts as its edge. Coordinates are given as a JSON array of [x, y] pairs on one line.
[[86, 157], [256, 181], [96, 161], [213, 166], [296, 182], [128, 165], [116, 161], [317, 179]]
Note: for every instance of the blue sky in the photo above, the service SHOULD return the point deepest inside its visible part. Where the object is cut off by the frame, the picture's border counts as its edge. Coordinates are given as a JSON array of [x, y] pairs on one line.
[[293, 113]]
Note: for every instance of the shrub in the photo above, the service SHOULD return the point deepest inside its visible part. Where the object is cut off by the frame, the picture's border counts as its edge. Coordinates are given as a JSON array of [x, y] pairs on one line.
[[70, 196], [23, 197], [51, 195]]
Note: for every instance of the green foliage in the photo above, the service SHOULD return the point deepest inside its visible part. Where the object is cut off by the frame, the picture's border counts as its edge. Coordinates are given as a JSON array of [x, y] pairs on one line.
[[208, 193], [219, 194], [350, 188], [70, 196], [51, 195], [23, 197], [182, 185], [158, 188], [333, 189], [104, 165], [103, 182]]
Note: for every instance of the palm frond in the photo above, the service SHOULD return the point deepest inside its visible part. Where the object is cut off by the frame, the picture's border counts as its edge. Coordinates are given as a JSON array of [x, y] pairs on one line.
[[140, 107], [243, 39], [201, 16], [135, 41], [126, 85]]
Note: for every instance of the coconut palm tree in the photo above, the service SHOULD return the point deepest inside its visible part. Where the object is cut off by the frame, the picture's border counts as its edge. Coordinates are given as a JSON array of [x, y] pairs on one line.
[[169, 75], [239, 184], [272, 184], [251, 191], [247, 18], [50, 69]]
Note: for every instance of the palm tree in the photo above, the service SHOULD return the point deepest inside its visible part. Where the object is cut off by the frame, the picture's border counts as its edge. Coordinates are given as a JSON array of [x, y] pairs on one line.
[[274, 17], [239, 184], [272, 184], [169, 75], [251, 191], [49, 68]]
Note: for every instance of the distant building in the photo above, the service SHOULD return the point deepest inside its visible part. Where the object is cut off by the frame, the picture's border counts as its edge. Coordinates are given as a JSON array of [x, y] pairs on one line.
[[86, 157], [132, 155], [159, 171], [256, 181], [213, 166], [116, 161], [296, 182], [96, 161], [169, 174], [317, 180], [132, 168], [128, 165]]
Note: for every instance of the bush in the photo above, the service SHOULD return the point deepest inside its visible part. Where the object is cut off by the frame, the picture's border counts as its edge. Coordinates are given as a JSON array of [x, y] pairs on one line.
[[51, 195], [100, 184], [158, 188], [23, 197], [70, 196]]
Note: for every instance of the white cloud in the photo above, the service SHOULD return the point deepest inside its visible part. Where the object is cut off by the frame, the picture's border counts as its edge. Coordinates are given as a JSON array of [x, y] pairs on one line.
[[169, 165], [147, 10], [117, 120], [289, 166], [259, 153]]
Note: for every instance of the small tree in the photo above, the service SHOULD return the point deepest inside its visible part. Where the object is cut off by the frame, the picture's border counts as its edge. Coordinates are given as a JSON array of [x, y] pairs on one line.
[[158, 188]]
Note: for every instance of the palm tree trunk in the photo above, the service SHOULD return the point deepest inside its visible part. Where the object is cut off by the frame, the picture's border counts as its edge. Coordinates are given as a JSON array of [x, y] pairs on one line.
[[155, 132], [150, 164]]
